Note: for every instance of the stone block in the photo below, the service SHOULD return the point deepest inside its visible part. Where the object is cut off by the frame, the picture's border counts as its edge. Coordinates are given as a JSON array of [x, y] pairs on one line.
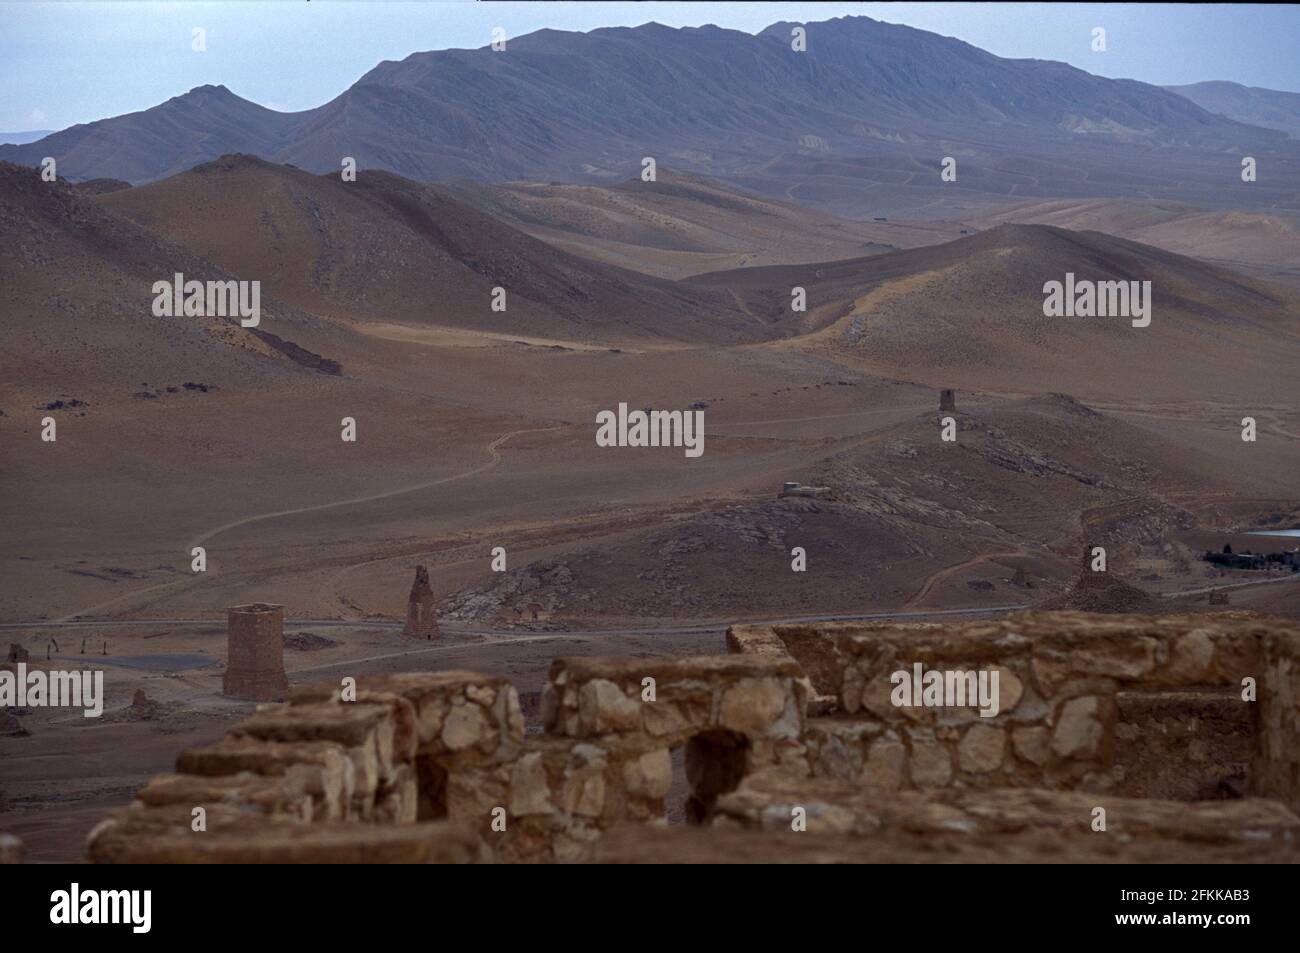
[[334, 784], [163, 836]]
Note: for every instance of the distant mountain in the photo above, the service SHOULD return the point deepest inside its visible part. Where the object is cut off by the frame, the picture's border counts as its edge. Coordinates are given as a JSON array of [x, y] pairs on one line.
[[1269, 108], [19, 138], [857, 124], [206, 122]]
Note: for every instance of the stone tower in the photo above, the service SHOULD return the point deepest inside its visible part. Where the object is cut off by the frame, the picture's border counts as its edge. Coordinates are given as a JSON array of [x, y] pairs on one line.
[[947, 399], [255, 653], [421, 611]]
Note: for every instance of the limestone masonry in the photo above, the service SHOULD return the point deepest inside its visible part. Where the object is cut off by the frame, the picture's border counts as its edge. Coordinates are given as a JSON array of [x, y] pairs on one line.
[[1183, 731], [255, 656]]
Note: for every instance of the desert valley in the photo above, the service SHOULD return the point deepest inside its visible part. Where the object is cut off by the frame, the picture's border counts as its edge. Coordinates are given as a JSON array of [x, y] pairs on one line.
[[472, 301]]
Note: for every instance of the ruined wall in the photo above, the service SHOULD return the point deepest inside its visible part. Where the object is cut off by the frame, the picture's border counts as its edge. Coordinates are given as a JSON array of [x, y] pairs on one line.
[[322, 760], [1275, 764], [1022, 824], [436, 766], [1143, 706], [734, 714], [450, 746]]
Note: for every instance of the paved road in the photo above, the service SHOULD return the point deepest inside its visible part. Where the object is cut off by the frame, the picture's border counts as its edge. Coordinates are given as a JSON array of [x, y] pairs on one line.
[[686, 628]]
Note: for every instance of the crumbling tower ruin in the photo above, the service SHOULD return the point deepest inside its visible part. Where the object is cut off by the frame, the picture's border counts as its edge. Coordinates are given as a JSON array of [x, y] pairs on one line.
[[421, 611], [255, 653], [947, 399]]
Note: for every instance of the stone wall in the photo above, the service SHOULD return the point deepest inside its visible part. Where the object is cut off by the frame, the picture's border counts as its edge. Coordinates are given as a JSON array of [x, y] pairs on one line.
[[436, 766], [1136, 705], [450, 746], [1275, 763], [158, 837], [1251, 828], [734, 714], [762, 699]]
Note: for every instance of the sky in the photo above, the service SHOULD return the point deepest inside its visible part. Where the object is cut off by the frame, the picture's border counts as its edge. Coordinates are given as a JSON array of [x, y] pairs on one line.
[[69, 62]]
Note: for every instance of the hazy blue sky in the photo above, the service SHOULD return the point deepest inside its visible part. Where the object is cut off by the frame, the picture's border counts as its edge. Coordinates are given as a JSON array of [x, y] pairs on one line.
[[64, 63]]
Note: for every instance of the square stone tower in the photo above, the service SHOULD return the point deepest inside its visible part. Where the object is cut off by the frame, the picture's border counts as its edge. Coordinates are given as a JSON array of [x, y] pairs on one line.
[[255, 653], [947, 399]]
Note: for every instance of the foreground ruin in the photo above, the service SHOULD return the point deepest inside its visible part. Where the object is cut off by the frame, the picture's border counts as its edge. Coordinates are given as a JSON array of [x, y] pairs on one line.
[[1116, 738]]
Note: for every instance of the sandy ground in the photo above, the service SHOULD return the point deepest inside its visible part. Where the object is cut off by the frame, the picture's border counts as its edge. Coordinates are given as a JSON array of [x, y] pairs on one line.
[[469, 443]]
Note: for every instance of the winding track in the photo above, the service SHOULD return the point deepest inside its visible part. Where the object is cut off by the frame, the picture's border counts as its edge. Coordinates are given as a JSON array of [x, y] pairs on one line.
[[494, 455], [494, 459], [697, 627], [947, 571]]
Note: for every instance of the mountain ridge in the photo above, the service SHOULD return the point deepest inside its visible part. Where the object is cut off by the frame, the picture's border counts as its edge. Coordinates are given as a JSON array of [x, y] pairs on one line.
[[1270, 108], [879, 102]]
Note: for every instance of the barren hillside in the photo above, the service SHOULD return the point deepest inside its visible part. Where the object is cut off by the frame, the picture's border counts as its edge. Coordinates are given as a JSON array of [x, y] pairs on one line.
[[384, 249], [969, 313]]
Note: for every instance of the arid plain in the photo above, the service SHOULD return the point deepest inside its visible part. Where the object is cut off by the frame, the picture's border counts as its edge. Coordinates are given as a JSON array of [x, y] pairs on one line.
[[475, 426], [475, 430]]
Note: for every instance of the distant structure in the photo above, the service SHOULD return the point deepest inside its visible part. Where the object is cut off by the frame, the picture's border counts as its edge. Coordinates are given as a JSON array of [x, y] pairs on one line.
[[792, 488], [1020, 579], [947, 399], [142, 706], [1219, 598], [255, 653], [16, 654], [1227, 559], [421, 612]]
